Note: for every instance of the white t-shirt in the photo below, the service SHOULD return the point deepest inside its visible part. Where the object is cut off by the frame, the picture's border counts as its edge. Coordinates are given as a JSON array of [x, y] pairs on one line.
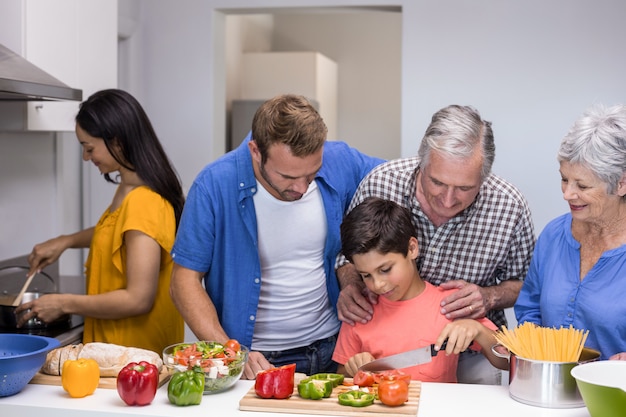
[[294, 309]]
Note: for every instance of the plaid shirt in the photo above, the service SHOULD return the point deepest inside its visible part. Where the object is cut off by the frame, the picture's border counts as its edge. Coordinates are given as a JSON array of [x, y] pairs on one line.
[[490, 241]]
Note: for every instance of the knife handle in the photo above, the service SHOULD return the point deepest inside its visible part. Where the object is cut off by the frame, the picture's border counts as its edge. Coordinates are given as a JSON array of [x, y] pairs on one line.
[[434, 352]]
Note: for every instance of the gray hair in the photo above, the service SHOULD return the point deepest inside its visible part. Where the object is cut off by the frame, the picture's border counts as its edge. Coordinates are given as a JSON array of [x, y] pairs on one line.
[[457, 131], [597, 140]]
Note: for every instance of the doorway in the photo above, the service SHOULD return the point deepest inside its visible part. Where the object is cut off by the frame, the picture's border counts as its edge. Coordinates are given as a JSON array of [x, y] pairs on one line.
[[365, 42]]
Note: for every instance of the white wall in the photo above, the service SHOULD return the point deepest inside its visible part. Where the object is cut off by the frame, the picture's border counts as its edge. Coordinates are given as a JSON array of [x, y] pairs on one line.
[[530, 67], [41, 173], [170, 57], [244, 33], [25, 164], [367, 48]]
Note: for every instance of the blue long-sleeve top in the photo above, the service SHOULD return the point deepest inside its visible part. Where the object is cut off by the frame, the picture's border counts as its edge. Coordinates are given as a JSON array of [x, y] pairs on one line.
[[553, 295]]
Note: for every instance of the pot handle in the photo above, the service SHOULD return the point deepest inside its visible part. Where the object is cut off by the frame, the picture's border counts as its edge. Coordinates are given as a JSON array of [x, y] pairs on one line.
[[494, 350]]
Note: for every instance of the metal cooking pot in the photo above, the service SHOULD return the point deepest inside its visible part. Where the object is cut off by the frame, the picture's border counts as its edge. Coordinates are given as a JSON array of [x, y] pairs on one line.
[[9, 319], [545, 383], [11, 281]]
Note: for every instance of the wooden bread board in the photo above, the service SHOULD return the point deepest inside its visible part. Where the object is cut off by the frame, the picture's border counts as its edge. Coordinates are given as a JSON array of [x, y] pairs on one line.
[[330, 406], [105, 382]]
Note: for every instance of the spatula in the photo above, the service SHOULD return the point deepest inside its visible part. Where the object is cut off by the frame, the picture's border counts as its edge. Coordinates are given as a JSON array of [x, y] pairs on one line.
[[18, 299]]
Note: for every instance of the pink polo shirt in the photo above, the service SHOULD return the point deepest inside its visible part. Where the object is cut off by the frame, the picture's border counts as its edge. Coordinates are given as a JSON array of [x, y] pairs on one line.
[[398, 326]]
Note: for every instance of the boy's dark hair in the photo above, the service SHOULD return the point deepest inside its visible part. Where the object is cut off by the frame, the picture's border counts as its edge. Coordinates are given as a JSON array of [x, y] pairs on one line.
[[376, 224]]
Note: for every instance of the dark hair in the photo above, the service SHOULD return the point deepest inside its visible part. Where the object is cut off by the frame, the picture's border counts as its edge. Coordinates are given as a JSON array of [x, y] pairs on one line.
[[291, 120], [117, 118], [376, 224]]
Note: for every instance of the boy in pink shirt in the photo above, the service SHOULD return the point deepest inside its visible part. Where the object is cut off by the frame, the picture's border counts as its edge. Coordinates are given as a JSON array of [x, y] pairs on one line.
[[378, 237]]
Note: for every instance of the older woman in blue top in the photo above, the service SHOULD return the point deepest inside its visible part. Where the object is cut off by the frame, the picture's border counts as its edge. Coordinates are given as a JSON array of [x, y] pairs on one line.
[[577, 274]]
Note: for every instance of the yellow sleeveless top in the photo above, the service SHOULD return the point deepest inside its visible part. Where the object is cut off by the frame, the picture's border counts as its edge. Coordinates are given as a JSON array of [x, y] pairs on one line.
[[105, 270]]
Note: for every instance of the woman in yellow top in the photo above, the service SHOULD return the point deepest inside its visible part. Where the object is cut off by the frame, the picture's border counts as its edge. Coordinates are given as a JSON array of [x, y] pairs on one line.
[[129, 267]]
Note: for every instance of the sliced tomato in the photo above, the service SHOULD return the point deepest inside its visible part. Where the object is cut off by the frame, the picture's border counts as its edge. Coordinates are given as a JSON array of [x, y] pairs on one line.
[[233, 345], [393, 392], [391, 375], [192, 355], [363, 379]]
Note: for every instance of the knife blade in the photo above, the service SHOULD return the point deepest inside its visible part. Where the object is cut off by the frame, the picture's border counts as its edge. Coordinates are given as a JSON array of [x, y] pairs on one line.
[[404, 360]]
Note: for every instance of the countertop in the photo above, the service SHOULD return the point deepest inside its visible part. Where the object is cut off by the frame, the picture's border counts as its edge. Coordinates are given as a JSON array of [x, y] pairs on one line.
[[436, 400]]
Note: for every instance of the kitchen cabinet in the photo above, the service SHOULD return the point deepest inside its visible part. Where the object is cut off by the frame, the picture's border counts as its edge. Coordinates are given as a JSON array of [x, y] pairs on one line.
[[75, 41]]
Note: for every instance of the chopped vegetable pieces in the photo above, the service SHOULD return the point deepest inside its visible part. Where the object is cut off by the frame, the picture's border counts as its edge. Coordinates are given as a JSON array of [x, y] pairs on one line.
[[336, 379], [315, 389], [356, 398]]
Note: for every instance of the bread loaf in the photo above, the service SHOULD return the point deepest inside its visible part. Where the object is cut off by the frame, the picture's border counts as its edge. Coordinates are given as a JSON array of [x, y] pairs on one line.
[[110, 357]]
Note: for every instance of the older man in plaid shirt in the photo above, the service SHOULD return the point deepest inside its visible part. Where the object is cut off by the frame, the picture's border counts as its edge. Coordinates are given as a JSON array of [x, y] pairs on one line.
[[475, 229]]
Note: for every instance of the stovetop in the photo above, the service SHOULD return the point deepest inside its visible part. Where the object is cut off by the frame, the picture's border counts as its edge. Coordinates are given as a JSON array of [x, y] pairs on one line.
[[66, 334]]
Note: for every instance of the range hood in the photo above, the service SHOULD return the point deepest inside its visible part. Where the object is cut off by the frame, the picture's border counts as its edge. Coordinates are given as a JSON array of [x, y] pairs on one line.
[[20, 80]]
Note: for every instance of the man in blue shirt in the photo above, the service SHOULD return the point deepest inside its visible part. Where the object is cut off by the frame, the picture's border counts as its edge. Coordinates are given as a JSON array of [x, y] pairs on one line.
[[260, 230]]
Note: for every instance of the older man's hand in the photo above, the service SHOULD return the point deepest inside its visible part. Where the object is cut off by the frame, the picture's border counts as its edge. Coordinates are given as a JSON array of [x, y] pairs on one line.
[[467, 302], [355, 304]]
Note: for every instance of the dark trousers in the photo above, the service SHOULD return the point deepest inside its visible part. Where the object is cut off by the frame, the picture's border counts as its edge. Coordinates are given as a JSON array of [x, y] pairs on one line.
[[309, 360]]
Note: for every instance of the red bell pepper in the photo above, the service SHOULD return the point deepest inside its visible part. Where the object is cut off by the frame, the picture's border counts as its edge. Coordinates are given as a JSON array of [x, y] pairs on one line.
[[276, 382], [137, 383]]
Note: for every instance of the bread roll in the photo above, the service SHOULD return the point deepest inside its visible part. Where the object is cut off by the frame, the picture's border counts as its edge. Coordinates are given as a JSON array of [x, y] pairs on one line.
[[56, 357], [110, 357]]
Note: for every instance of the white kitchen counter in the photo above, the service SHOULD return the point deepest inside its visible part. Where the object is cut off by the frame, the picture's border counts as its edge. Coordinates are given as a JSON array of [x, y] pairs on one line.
[[436, 400]]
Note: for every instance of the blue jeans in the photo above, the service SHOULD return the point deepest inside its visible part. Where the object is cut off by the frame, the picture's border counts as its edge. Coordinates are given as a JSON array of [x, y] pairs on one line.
[[309, 360]]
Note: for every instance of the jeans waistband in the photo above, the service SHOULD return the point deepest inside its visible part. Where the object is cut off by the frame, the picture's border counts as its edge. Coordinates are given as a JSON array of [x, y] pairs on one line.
[[312, 346]]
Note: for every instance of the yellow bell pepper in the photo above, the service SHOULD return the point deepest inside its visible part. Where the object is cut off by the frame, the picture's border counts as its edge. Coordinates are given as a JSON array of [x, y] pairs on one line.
[[80, 377]]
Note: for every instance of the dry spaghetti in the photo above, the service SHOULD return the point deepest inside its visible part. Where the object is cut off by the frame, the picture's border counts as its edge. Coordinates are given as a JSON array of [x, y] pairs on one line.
[[530, 341]]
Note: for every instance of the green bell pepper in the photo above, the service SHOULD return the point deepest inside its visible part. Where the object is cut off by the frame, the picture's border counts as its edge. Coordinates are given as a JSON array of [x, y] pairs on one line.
[[186, 388], [315, 389], [356, 398], [336, 379]]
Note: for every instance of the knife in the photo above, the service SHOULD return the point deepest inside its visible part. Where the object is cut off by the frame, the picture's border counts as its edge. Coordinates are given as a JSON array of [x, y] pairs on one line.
[[404, 360]]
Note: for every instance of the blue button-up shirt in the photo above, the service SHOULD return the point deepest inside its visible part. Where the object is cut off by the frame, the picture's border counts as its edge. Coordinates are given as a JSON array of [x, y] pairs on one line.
[[553, 295], [218, 229]]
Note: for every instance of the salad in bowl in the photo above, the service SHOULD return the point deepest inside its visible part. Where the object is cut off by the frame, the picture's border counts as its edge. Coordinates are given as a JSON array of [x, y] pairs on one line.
[[222, 364]]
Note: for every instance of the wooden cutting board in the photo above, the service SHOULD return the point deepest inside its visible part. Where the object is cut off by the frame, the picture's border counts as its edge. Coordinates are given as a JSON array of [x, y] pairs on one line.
[[111, 383], [330, 406]]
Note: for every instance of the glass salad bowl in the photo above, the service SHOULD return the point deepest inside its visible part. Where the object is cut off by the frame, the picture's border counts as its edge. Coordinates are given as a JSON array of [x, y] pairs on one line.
[[222, 364]]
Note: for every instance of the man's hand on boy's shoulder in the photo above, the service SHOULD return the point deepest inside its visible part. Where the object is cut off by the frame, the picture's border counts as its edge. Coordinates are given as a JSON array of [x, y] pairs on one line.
[[466, 302], [355, 300]]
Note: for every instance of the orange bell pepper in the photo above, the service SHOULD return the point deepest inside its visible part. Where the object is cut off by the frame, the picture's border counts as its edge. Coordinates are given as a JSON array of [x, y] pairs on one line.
[[80, 377]]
